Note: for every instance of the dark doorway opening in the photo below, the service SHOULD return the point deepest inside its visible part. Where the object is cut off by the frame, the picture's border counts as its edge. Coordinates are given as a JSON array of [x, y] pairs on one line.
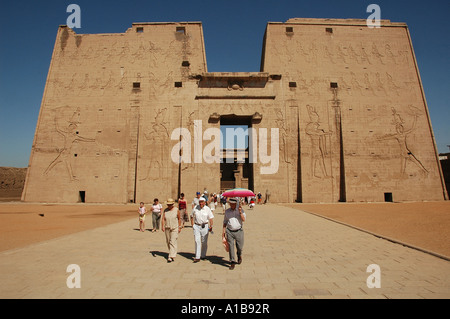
[[388, 197], [82, 197], [227, 180], [235, 167]]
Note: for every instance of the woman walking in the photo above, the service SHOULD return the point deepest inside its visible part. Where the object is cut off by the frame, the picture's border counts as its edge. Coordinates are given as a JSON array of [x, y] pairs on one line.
[[182, 205], [156, 214], [171, 224]]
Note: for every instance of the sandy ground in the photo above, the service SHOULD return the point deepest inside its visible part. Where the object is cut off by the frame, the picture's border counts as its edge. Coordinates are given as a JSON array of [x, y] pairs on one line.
[[22, 224], [421, 224]]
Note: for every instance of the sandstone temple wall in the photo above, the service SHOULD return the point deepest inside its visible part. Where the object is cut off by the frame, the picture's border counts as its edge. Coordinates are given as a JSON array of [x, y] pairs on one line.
[[346, 100]]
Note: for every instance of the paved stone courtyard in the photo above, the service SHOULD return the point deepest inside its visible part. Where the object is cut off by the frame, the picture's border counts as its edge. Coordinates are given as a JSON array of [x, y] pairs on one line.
[[288, 254]]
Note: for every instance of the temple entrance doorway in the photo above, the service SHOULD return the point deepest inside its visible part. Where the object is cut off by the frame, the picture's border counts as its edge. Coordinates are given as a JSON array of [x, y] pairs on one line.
[[235, 167]]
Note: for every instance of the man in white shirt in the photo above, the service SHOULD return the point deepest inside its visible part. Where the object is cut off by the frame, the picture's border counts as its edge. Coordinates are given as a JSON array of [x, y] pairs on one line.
[[201, 216], [233, 231]]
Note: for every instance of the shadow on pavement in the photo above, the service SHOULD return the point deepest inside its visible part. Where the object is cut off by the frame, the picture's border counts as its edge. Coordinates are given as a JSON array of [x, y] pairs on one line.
[[213, 259]]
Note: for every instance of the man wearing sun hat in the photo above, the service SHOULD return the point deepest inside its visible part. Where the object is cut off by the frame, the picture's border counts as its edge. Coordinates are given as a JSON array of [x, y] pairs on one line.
[[171, 225], [201, 216], [233, 231], [195, 202]]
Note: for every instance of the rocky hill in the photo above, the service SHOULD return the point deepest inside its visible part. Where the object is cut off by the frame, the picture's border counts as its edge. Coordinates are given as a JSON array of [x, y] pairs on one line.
[[12, 180]]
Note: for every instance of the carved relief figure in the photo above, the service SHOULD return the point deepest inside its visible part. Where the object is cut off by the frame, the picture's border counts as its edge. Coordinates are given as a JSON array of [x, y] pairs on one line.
[[368, 85], [355, 84], [376, 54], [281, 124], [341, 54], [388, 53], [318, 144], [364, 55], [190, 127], [379, 84], [391, 84], [303, 84], [71, 136], [401, 136], [157, 137], [352, 54], [313, 51]]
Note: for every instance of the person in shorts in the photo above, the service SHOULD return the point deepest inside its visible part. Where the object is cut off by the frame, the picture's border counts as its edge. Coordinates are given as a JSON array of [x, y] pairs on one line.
[[142, 213]]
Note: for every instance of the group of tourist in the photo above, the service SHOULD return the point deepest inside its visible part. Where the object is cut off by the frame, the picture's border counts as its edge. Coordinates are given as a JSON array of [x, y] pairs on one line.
[[201, 218]]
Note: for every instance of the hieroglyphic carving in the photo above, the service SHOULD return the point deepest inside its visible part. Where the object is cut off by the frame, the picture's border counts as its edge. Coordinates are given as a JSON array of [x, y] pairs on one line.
[[373, 84], [383, 53]]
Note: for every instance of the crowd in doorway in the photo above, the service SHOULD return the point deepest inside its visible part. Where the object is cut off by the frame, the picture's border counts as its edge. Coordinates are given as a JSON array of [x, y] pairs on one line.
[[199, 215]]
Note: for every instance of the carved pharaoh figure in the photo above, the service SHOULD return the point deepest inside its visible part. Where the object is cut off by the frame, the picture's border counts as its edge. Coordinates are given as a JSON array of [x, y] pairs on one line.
[[401, 134], [71, 136], [157, 137], [318, 144]]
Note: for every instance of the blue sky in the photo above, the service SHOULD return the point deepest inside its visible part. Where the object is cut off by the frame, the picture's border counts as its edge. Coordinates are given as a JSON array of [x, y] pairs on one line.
[[233, 32]]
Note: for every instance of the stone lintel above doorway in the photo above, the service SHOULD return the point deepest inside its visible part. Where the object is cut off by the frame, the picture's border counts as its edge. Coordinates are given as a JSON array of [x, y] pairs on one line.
[[255, 118], [234, 81]]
